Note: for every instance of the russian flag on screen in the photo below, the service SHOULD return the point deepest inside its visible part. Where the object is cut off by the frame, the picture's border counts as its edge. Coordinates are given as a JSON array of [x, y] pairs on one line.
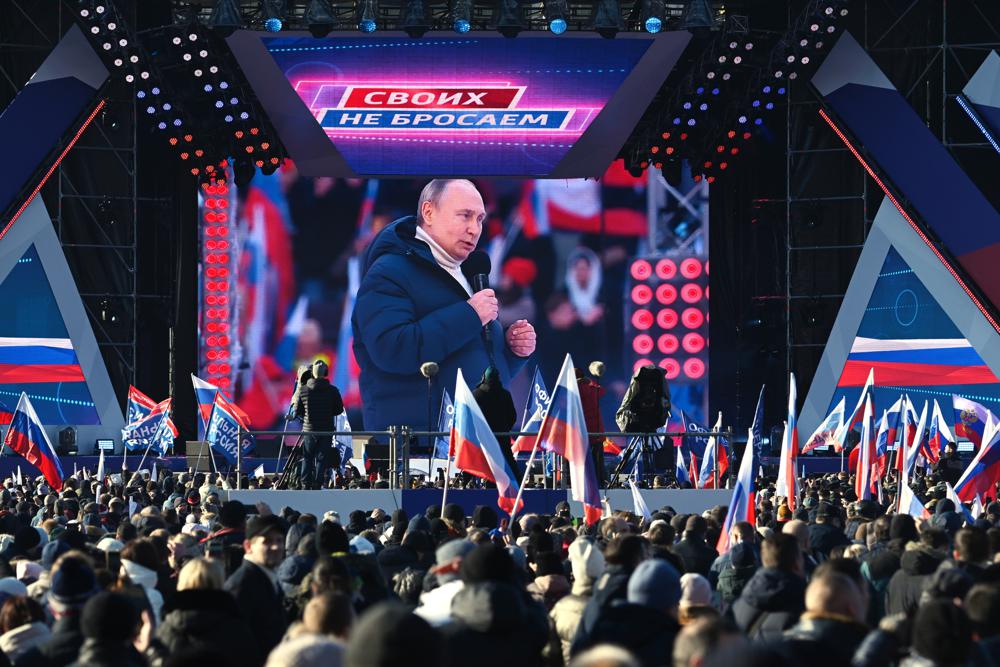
[[970, 419], [6, 414], [983, 472], [922, 362], [476, 449], [35, 360], [564, 432], [27, 437], [741, 506]]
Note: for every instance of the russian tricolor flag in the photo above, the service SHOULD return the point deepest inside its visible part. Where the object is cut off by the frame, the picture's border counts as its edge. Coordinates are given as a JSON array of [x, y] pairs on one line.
[[564, 432], [980, 478], [715, 451], [27, 437], [225, 426], [865, 479], [205, 395], [826, 433], [939, 435], [910, 504], [476, 449], [741, 507], [6, 414], [970, 420], [916, 444], [787, 485], [38, 360]]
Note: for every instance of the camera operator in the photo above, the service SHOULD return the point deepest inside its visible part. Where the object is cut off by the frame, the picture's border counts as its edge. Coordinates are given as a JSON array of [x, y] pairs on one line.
[[317, 403]]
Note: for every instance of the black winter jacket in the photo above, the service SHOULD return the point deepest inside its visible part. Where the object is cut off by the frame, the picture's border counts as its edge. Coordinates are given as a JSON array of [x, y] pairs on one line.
[[770, 604]]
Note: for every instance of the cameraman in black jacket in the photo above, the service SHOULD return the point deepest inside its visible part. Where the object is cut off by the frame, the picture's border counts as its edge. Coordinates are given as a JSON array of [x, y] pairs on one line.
[[317, 403]]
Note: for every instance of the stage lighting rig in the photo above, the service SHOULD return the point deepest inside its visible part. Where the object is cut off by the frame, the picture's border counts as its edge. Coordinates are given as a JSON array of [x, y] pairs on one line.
[[461, 16], [415, 19], [319, 16], [697, 15], [368, 16], [607, 19], [226, 17], [272, 14], [509, 21], [556, 12]]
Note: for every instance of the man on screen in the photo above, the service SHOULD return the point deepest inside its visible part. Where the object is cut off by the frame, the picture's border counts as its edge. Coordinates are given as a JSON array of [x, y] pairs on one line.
[[416, 305]]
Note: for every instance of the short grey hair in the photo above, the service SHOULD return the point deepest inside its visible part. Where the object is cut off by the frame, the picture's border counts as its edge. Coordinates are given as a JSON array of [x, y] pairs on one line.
[[433, 192]]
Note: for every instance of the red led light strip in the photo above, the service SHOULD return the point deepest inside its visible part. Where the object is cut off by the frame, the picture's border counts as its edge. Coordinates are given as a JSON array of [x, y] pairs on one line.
[[930, 244], [41, 184]]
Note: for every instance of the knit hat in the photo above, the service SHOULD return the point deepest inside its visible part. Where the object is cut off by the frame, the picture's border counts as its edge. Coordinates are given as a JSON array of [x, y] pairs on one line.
[[110, 545], [942, 633], [742, 555], [307, 651], [487, 562], [784, 514], [232, 514], [485, 516], [453, 513], [72, 583], [26, 538], [695, 590], [11, 588], [586, 560], [419, 522], [331, 538], [449, 551], [903, 528], [655, 584], [388, 635], [110, 617]]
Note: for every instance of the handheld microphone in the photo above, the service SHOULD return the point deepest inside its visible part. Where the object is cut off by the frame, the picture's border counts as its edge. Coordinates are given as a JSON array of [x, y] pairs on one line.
[[477, 268]]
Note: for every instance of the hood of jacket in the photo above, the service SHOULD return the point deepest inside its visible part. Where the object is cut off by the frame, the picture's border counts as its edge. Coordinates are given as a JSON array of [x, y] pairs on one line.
[[490, 607], [294, 569], [774, 590], [920, 561], [398, 238]]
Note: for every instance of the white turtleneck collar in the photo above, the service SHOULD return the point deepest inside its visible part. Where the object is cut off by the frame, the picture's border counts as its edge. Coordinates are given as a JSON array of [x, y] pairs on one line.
[[444, 260]]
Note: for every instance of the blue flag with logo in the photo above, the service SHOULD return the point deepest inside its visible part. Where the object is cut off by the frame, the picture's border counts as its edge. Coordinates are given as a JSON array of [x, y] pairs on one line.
[[445, 421], [224, 428], [758, 427]]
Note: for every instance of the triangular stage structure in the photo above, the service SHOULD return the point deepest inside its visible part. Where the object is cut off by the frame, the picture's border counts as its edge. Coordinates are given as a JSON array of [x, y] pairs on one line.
[[47, 346], [981, 99], [907, 316]]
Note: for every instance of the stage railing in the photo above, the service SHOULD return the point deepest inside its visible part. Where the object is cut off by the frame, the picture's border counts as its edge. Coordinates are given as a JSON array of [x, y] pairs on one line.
[[400, 439]]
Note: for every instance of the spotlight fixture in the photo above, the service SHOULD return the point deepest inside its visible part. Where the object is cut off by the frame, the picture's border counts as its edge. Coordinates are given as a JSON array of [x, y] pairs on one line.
[[226, 17], [697, 14], [319, 16], [654, 12], [556, 12], [415, 21], [368, 16], [508, 18], [272, 13], [461, 16], [607, 18]]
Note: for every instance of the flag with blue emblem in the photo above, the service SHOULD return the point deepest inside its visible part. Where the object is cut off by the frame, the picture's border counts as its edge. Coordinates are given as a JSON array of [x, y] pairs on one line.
[[446, 419], [224, 429]]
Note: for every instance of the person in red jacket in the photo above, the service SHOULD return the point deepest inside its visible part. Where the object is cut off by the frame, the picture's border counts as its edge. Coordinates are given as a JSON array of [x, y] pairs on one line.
[[590, 396]]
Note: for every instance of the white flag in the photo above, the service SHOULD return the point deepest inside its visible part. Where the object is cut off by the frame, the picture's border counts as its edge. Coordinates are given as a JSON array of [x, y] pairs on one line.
[[100, 468], [20, 480], [153, 475], [638, 503], [133, 507], [258, 472]]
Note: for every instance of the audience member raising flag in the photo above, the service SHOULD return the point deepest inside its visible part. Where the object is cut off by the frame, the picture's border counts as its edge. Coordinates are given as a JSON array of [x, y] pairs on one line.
[[741, 506], [27, 437], [865, 478], [564, 433], [477, 451], [715, 454], [787, 486]]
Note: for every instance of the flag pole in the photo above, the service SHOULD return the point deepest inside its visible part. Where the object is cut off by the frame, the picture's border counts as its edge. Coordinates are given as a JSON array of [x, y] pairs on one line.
[[524, 479], [447, 474], [141, 461]]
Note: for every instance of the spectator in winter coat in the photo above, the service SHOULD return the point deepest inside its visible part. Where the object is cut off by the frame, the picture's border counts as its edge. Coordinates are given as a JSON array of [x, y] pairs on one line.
[[773, 599], [917, 564], [111, 623], [623, 554], [201, 614], [587, 563], [734, 577], [696, 555], [832, 626]]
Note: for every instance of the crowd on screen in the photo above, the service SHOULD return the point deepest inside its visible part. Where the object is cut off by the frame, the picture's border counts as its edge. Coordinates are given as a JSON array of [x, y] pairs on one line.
[[134, 571]]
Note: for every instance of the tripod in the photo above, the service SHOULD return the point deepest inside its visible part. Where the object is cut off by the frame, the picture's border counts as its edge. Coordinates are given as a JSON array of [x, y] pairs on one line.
[[637, 447], [292, 464]]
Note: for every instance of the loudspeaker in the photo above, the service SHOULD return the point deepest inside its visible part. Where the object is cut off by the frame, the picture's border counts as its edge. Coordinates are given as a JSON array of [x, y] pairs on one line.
[[67, 442], [197, 453]]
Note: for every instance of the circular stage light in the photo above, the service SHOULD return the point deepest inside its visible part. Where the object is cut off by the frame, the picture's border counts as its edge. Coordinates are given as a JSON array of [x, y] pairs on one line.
[[667, 344], [642, 344], [641, 270], [666, 318], [694, 368], [461, 26], [557, 26], [691, 268], [666, 294], [642, 294], [693, 343], [692, 318], [274, 24], [653, 25], [672, 368], [642, 319], [692, 293], [666, 269]]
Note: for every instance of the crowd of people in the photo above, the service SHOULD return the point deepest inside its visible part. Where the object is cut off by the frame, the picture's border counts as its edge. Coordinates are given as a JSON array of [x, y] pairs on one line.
[[168, 572]]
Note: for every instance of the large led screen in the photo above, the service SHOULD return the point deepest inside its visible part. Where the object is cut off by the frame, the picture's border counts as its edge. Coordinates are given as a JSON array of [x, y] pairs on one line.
[[458, 106]]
